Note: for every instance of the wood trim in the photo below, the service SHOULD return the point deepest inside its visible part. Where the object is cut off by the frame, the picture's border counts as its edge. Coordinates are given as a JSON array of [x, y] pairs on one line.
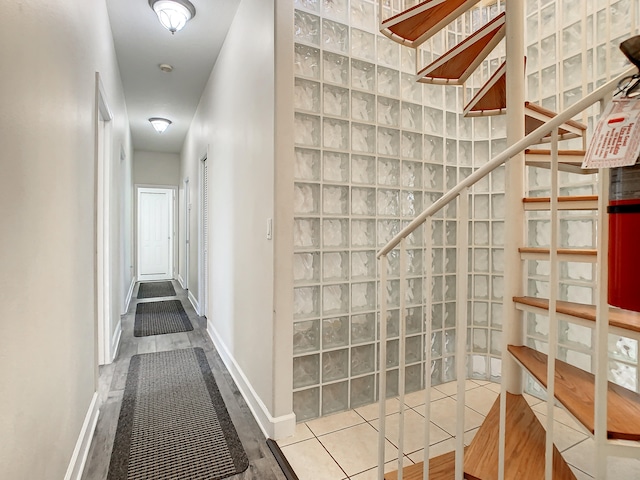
[[624, 319], [577, 153], [442, 467], [584, 202], [574, 388], [561, 251]]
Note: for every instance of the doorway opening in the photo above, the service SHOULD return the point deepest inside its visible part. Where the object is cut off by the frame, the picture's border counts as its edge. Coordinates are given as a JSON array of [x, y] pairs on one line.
[[204, 237], [155, 233]]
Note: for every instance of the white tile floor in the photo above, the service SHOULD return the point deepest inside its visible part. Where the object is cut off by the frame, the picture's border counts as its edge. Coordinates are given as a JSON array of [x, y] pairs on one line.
[[344, 445]]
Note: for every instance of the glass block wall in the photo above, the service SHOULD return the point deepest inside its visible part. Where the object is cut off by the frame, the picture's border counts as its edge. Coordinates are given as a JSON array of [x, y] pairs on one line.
[[572, 48], [373, 148]]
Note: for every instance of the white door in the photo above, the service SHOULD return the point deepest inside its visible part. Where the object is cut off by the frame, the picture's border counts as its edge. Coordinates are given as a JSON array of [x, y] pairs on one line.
[[155, 234]]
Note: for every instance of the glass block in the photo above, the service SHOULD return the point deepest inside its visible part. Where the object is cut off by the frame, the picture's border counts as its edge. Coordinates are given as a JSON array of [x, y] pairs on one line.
[[363, 296], [388, 141], [433, 147], [306, 61], [437, 260], [433, 120], [335, 167], [305, 198], [480, 315], [480, 340], [387, 229], [388, 82], [496, 342], [413, 294], [335, 36], [393, 353], [481, 259], [497, 260], [575, 335], [388, 53], [306, 233], [363, 138], [306, 267], [392, 383], [481, 206], [388, 171], [363, 328], [362, 391], [496, 315], [335, 398], [548, 49], [481, 233], [411, 145], [307, 130], [335, 233], [388, 111], [497, 287], [362, 14], [308, 4], [577, 233], [335, 299], [465, 153], [393, 293], [362, 359], [335, 200], [413, 349], [306, 95], [363, 265], [411, 174], [413, 378], [306, 336], [363, 75], [436, 372], [450, 288], [363, 201], [623, 348], [414, 320], [433, 95], [548, 20], [307, 164], [306, 404], [335, 9], [481, 286], [448, 369], [306, 27], [497, 233], [335, 134], [363, 169], [305, 302], [388, 203], [433, 177], [363, 233], [479, 367], [393, 263], [335, 68], [450, 260], [363, 45], [411, 90], [410, 203], [336, 101], [335, 266], [335, 365], [363, 106], [306, 371]]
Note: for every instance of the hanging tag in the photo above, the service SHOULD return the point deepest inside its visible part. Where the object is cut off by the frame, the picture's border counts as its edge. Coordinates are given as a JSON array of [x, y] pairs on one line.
[[616, 140]]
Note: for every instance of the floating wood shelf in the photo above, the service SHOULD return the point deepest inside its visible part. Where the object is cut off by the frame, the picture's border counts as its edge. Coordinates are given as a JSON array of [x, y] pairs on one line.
[[535, 116], [623, 319], [417, 24], [456, 65], [587, 255], [524, 448], [440, 468], [574, 388], [568, 160], [584, 202]]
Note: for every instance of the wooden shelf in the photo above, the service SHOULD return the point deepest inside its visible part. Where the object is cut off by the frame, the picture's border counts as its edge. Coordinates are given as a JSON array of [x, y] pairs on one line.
[[587, 255], [584, 202], [416, 24], [568, 160], [624, 319], [456, 65], [524, 448], [574, 388], [440, 468]]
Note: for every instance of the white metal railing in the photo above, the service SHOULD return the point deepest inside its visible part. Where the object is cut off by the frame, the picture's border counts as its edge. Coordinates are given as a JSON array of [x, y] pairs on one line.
[[461, 190]]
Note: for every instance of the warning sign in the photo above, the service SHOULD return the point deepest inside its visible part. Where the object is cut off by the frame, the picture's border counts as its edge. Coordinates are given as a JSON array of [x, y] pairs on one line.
[[616, 140]]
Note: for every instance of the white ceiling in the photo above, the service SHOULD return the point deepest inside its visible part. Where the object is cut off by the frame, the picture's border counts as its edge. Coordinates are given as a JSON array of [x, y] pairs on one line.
[[142, 44]]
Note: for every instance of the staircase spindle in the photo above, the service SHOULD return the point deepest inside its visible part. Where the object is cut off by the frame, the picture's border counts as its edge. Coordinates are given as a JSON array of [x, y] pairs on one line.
[[382, 375]]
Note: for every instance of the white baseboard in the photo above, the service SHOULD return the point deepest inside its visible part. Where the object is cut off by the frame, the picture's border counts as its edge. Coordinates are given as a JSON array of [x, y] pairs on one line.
[[275, 428], [194, 303], [115, 341], [129, 295], [181, 281], [81, 451]]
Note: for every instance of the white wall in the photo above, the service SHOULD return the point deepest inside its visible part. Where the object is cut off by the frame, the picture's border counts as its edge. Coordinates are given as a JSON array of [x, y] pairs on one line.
[[235, 127], [154, 168], [48, 356]]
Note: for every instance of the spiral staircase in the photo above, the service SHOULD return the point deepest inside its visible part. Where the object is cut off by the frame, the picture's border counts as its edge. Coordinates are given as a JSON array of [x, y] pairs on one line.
[[522, 448]]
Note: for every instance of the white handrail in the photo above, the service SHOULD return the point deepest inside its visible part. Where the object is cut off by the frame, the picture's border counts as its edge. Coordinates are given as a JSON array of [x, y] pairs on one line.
[[506, 155]]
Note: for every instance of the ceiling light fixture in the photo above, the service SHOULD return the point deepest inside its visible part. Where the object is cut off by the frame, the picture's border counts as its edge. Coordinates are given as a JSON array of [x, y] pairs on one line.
[[160, 124], [173, 14]]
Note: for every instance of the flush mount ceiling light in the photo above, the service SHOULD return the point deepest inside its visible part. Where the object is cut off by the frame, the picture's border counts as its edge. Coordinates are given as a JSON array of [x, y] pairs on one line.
[[160, 124], [173, 14]]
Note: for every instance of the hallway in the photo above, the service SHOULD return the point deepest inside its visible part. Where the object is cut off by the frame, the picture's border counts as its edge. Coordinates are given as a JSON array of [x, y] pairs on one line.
[[113, 377]]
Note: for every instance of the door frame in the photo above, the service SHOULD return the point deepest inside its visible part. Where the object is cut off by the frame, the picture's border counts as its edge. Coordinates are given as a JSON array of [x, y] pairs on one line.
[[103, 287], [187, 232], [172, 225], [203, 278]]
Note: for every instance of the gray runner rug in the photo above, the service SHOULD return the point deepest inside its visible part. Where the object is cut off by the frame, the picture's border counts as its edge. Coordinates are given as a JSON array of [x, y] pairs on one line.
[[156, 289], [173, 423], [158, 318]]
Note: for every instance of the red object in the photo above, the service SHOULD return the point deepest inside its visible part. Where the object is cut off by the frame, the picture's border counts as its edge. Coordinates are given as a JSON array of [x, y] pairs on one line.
[[624, 253]]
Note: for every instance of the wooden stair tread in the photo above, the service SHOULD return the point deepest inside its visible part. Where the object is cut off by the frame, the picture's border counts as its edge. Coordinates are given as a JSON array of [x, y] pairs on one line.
[[561, 251], [568, 160], [550, 114], [574, 388], [442, 467], [415, 25], [524, 447], [535, 116], [540, 151], [582, 202], [618, 317], [456, 65], [491, 99]]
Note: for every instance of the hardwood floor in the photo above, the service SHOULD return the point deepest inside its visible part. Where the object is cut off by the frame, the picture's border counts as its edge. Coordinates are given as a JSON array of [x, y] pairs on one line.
[[262, 464]]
